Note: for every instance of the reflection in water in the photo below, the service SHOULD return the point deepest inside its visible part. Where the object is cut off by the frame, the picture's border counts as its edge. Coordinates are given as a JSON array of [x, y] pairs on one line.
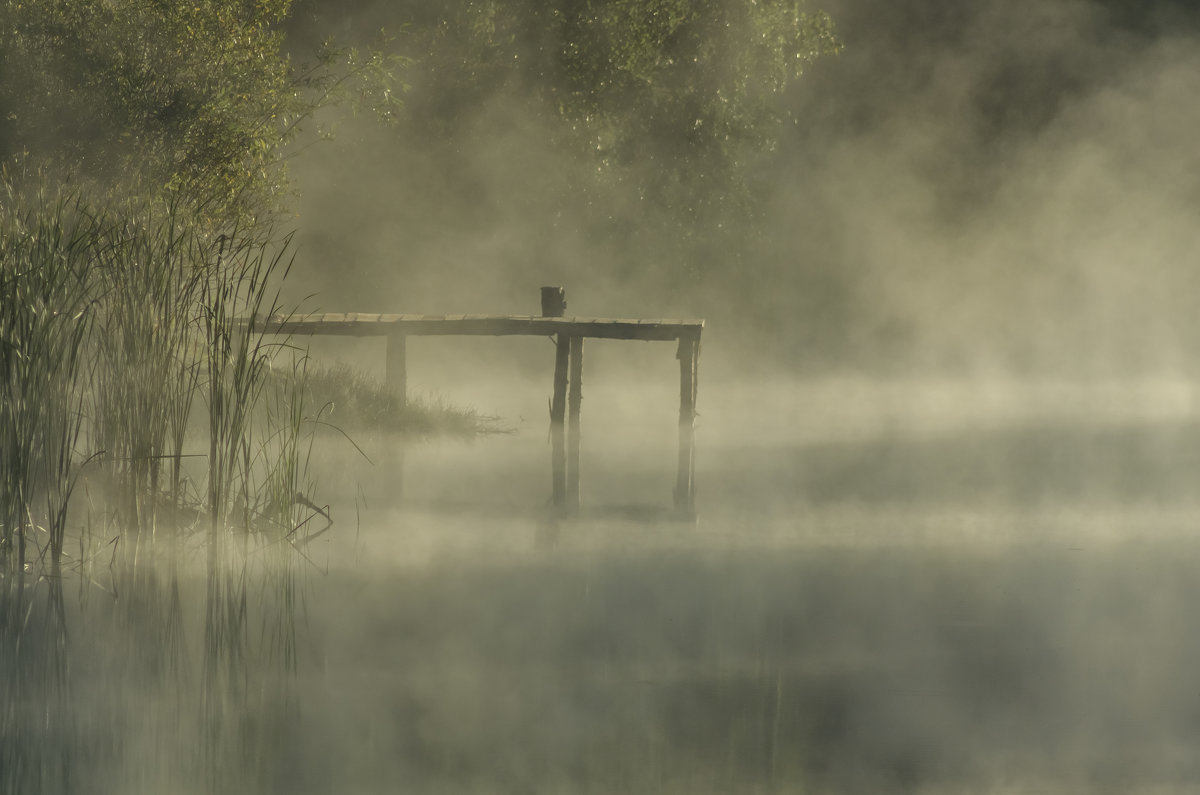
[[37, 728], [837, 670], [148, 681], [601, 664], [966, 610]]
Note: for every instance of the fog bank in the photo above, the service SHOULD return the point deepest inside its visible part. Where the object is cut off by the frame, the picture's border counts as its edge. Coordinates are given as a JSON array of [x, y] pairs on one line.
[[1000, 187]]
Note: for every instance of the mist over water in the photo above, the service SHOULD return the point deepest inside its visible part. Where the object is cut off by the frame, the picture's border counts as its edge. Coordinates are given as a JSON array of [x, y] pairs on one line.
[[946, 444], [1001, 187], [892, 587], [947, 452]]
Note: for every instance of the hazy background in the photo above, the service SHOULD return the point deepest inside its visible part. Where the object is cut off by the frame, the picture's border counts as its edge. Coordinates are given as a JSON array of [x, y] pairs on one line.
[[946, 457], [986, 187]]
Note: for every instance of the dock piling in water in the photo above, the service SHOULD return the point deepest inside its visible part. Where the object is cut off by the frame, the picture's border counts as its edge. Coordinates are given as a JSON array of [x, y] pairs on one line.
[[396, 366], [685, 480], [574, 400], [565, 403], [553, 304]]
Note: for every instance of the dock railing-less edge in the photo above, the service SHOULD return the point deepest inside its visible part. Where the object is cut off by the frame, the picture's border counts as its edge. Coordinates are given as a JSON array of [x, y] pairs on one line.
[[569, 334]]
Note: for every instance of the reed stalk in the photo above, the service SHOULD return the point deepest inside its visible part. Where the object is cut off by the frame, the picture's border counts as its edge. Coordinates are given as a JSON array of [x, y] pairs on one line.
[[147, 365], [112, 322], [46, 313]]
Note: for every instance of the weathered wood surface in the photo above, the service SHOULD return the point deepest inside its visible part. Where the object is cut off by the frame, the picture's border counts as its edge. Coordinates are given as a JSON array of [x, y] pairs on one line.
[[554, 302], [685, 482], [558, 412], [357, 324], [396, 365], [569, 333], [574, 401]]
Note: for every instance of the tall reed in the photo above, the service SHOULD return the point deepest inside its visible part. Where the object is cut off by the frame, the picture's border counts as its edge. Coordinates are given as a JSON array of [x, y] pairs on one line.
[[151, 271], [254, 478], [46, 313], [112, 322], [47, 302]]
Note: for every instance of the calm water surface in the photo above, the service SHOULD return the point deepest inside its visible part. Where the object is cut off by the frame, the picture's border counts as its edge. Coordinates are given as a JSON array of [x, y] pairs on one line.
[[927, 588]]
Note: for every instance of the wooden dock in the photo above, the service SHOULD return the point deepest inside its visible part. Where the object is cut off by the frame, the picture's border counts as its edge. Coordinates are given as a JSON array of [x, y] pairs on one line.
[[358, 324], [569, 333]]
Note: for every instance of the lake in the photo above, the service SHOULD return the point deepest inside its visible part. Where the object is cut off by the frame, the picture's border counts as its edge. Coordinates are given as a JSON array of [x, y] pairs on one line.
[[909, 587]]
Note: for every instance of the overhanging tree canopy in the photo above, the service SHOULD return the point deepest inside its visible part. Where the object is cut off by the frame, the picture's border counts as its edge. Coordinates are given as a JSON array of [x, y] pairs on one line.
[[198, 98]]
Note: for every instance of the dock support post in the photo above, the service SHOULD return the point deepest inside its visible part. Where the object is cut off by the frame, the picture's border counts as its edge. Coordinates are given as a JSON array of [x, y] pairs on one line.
[[558, 406], [685, 485], [396, 366], [574, 399], [396, 378], [553, 305]]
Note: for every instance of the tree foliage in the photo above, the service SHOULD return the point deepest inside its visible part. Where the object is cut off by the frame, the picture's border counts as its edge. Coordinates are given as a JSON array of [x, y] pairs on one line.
[[197, 98], [676, 92]]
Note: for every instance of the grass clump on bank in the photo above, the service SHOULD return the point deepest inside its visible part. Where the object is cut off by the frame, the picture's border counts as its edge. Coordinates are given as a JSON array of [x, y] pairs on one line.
[[355, 402], [112, 323]]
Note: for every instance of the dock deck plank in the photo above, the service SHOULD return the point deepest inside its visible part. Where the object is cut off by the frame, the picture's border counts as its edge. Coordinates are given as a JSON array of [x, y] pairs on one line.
[[376, 325]]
